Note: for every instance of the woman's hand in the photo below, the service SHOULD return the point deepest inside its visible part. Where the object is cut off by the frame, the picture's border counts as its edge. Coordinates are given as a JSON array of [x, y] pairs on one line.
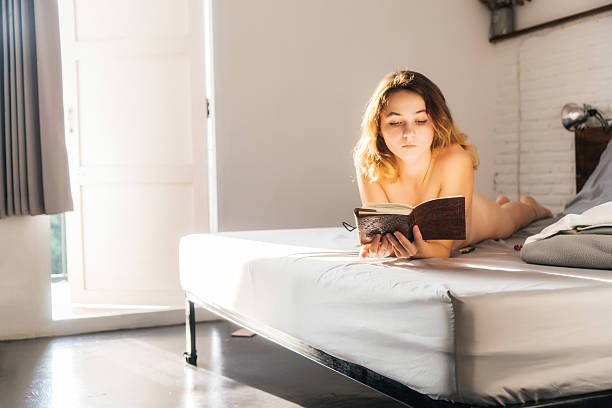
[[402, 246], [419, 248], [380, 247]]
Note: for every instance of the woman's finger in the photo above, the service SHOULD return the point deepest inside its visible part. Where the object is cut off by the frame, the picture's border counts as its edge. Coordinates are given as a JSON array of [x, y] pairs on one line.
[[389, 247], [394, 251], [375, 245], [375, 242], [410, 247], [398, 248], [418, 238], [380, 253], [386, 247], [371, 248], [383, 250], [364, 251]]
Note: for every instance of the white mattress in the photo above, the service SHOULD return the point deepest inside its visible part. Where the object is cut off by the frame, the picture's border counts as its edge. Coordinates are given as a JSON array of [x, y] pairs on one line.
[[483, 328]]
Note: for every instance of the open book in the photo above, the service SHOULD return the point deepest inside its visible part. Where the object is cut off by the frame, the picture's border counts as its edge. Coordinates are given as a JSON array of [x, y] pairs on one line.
[[440, 218]]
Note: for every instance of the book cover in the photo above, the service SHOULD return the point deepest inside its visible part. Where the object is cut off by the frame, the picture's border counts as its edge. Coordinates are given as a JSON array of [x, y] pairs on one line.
[[440, 218]]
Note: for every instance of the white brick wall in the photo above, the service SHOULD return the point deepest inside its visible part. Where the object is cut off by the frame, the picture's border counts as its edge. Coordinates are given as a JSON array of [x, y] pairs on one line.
[[507, 122], [538, 74]]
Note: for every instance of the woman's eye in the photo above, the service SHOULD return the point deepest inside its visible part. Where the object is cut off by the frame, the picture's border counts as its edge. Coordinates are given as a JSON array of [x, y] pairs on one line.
[[395, 123], [421, 122]]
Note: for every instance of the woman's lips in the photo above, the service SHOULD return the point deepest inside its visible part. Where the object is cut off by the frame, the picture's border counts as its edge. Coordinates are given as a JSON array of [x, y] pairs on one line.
[[408, 146]]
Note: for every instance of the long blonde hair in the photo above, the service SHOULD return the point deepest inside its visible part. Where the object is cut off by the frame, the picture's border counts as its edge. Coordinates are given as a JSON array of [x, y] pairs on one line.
[[372, 157]]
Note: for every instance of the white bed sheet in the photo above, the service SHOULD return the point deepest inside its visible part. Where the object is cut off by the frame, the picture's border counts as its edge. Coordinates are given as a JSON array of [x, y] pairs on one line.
[[483, 328]]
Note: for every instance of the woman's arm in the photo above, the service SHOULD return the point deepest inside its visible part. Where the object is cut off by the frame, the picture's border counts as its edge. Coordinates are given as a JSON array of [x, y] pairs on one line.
[[370, 192], [380, 247]]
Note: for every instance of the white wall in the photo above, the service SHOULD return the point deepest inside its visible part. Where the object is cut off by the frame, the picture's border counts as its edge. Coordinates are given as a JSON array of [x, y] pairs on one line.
[[292, 80], [25, 291], [539, 73], [25, 269]]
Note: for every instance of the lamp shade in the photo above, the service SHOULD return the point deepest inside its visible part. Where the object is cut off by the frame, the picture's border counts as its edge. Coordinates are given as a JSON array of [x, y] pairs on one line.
[[573, 115]]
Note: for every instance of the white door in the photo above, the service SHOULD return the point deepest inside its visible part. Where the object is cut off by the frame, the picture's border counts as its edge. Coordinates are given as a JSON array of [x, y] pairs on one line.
[[136, 112]]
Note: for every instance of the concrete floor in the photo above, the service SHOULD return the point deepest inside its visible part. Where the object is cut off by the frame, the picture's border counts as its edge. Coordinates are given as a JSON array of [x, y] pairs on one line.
[[145, 368]]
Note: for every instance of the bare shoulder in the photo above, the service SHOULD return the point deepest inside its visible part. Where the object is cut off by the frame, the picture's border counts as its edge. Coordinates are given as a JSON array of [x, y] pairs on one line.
[[370, 192], [457, 173], [453, 158]]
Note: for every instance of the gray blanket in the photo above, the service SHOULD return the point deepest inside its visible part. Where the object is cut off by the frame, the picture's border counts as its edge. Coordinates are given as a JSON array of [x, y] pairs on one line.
[[582, 249], [587, 249]]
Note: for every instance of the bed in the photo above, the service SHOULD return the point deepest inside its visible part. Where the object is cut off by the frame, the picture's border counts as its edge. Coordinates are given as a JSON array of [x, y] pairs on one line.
[[478, 329]]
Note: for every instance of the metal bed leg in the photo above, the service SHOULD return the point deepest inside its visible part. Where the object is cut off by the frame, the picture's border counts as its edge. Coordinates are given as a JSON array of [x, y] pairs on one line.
[[191, 356]]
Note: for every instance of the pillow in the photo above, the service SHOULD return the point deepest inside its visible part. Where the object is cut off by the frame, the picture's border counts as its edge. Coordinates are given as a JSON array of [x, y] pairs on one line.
[[598, 187]]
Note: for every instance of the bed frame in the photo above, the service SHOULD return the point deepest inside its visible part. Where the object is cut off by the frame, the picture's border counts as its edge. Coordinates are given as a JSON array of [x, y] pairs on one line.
[[380, 383], [590, 143]]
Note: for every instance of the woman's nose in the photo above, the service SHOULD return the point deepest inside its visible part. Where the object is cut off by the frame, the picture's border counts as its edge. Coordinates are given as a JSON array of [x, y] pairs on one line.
[[408, 131]]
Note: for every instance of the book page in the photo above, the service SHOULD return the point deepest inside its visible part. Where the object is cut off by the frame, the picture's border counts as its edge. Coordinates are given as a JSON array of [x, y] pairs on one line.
[[388, 208]]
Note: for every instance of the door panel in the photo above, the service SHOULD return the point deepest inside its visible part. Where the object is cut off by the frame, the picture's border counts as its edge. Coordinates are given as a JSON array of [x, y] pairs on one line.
[[135, 103], [97, 20], [122, 242], [135, 111]]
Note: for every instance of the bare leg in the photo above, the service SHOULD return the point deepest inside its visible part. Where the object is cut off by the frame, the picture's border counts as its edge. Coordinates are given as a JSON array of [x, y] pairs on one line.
[[523, 212], [501, 218], [540, 210]]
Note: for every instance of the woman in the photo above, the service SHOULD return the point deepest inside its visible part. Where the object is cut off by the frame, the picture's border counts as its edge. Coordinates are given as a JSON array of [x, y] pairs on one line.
[[410, 151]]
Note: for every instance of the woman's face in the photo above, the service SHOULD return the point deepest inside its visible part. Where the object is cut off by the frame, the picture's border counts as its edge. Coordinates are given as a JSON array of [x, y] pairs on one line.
[[405, 126]]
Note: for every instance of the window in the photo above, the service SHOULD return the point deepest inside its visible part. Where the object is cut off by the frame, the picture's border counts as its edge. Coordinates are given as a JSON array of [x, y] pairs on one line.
[[58, 248]]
